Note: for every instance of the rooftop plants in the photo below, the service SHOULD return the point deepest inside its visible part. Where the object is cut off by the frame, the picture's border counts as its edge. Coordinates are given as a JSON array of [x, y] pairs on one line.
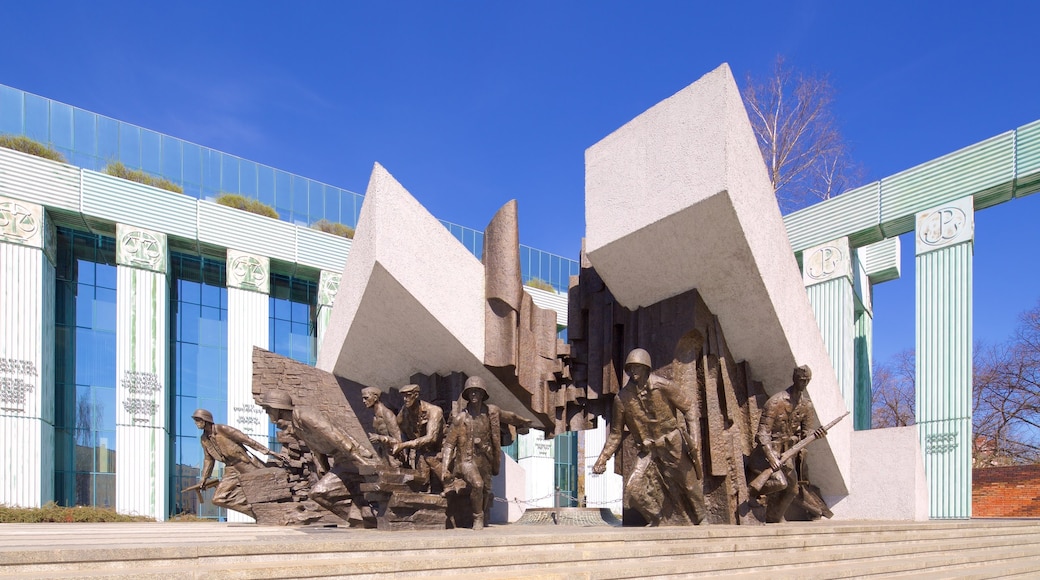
[[540, 284], [249, 204], [30, 146], [117, 169], [334, 228]]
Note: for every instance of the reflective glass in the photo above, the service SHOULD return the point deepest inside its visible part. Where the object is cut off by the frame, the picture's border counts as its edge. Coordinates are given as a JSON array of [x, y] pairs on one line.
[[299, 201], [61, 128], [172, 160], [107, 141], [85, 372], [247, 178], [130, 145], [192, 169], [85, 137], [11, 110], [37, 118], [265, 184], [316, 202], [151, 152], [229, 174], [210, 173]]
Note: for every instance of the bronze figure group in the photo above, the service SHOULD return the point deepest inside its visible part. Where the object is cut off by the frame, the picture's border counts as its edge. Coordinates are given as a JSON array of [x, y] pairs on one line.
[[422, 463]]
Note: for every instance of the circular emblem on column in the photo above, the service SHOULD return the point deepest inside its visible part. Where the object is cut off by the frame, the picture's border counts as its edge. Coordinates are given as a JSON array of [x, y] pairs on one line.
[[248, 272], [328, 287], [141, 249], [824, 263], [17, 221], [942, 226]]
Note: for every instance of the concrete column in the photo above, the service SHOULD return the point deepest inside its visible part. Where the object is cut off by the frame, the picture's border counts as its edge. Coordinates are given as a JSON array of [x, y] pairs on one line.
[[535, 454], [249, 283], [27, 243], [604, 490], [862, 344], [944, 244], [142, 432], [328, 286], [827, 274]]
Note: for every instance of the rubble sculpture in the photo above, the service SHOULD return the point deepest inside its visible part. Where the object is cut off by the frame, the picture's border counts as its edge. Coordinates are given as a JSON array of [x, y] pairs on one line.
[[422, 430], [228, 445], [336, 490], [385, 431], [785, 423], [665, 485], [472, 449]]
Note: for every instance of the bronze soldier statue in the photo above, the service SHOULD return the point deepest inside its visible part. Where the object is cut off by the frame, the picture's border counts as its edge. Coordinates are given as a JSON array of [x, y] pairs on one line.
[[325, 440], [386, 433], [472, 448], [228, 445], [422, 430], [647, 406], [785, 422]]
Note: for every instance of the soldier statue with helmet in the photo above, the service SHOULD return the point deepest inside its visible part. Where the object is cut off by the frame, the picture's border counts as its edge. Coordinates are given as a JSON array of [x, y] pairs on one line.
[[228, 445], [665, 485], [472, 448]]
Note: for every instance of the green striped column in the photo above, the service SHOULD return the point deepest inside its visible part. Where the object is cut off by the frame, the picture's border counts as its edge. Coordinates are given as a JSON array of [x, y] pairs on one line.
[[249, 306], [27, 244], [142, 431], [827, 274], [944, 242], [328, 285]]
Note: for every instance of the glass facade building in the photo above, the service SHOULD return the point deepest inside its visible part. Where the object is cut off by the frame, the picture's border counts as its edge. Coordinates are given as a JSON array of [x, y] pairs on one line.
[[99, 455]]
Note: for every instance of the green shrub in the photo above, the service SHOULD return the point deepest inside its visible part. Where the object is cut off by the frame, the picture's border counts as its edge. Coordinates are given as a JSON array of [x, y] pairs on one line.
[[246, 204], [540, 284], [117, 169], [53, 512], [334, 228], [30, 146]]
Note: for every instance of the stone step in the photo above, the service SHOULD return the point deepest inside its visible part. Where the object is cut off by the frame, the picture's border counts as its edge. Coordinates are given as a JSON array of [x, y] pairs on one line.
[[214, 550]]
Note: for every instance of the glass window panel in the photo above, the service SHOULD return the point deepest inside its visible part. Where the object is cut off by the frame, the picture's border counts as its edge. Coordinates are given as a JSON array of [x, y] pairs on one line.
[[105, 373], [170, 152], [300, 312], [208, 361], [187, 369], [282, 337], [229, 174], [107, 140], [189, 291], [316, 203], [265, 184], [85, 136], [282, 309], [106, 276], [283, 194], [299, 200], [189, 331], [543, 269], [37, 118], [211, 296], [130, 145], [105, 309], [210, 173], [332, 197], [192, 168], [151, 152], [85, 306], [61, 126], [209, 327], [11, 110], [105, 490], [247, 178]]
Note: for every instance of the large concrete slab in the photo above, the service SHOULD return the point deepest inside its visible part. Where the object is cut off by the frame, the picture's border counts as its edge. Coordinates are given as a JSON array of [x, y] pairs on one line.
[[411, 299], [678, 198]]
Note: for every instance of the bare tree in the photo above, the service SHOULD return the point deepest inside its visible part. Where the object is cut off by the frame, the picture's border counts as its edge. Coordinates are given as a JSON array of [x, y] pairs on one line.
[[807, 158], [893, 385], [1006, 403]]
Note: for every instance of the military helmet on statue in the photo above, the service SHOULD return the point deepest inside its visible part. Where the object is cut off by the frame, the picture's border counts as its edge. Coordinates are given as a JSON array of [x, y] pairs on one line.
[[638, 356], [474, 383], [277, 400], [203, 414]]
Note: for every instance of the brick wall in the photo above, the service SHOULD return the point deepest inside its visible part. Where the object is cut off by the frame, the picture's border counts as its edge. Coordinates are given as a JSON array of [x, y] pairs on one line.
[[1006, 492]]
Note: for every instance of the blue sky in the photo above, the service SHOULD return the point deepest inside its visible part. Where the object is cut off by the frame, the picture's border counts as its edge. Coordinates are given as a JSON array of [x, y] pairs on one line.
[[470, 104]]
